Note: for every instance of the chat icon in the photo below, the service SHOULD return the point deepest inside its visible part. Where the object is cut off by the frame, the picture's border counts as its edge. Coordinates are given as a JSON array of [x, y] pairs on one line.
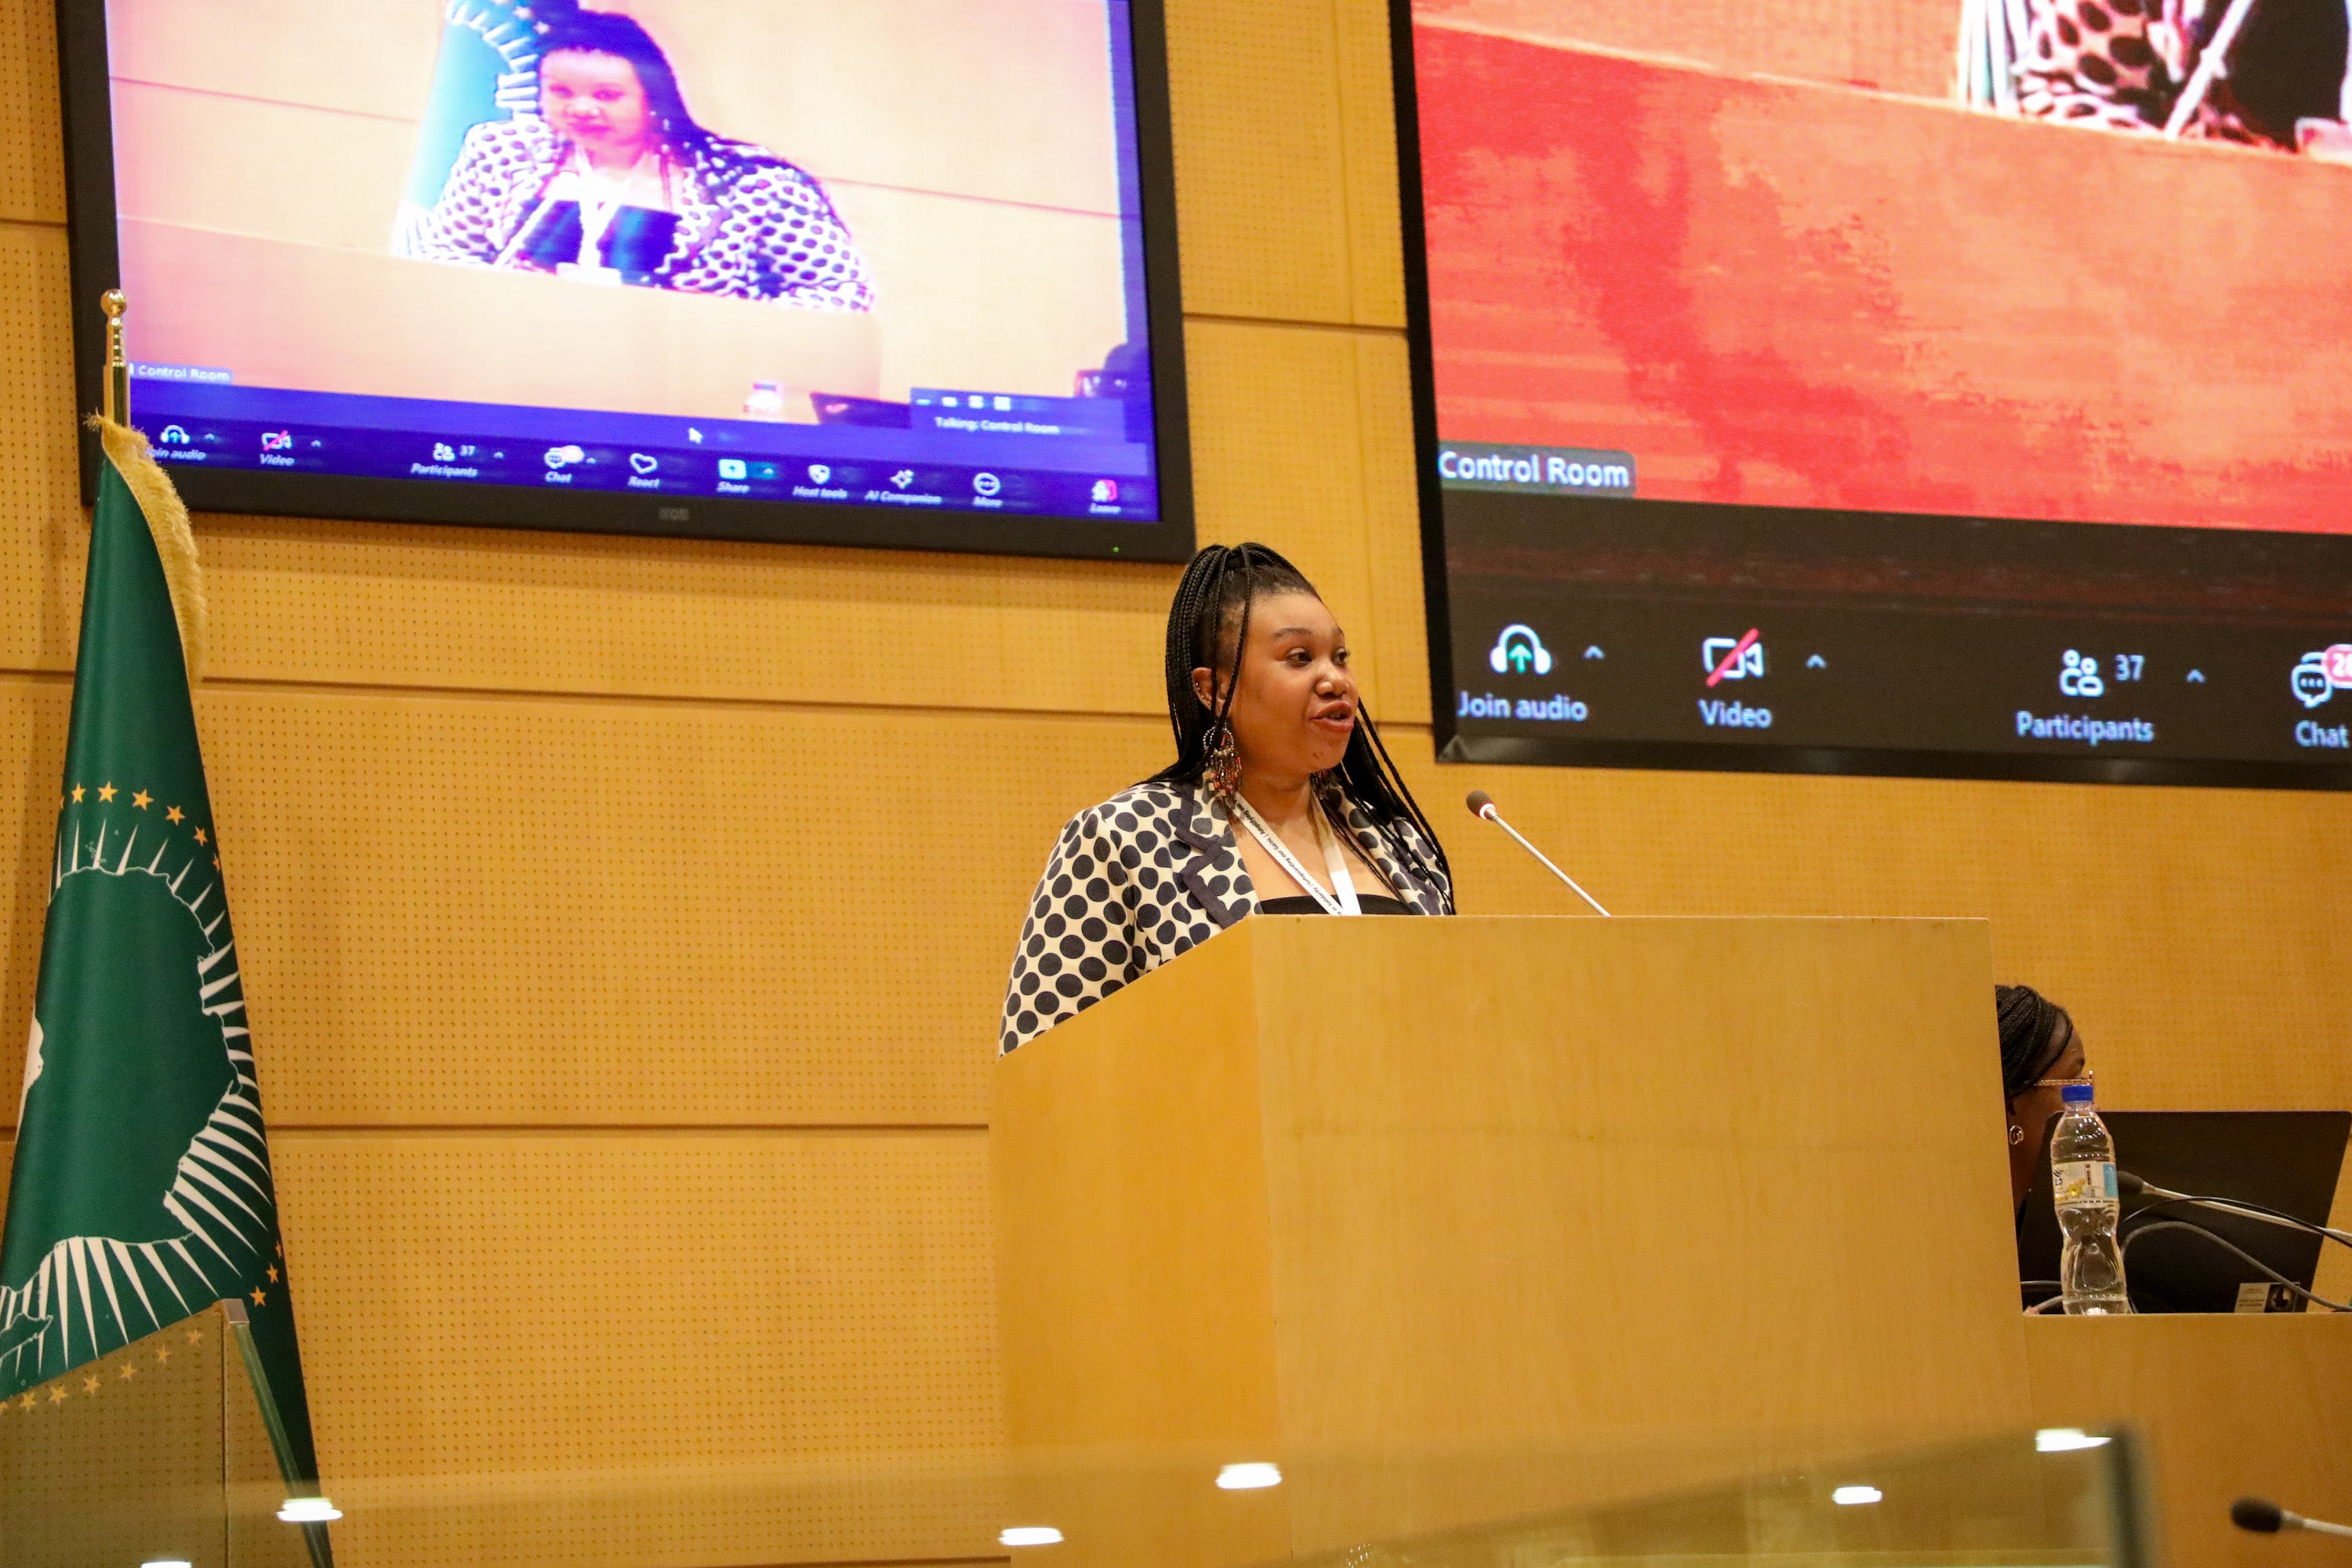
[[2310, 681]]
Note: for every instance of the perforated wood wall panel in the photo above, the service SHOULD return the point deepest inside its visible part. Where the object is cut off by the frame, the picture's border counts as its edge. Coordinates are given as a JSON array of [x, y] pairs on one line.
[[463, 910], [32, 162], [737, 1348], [1261, 175], [1369, 150]]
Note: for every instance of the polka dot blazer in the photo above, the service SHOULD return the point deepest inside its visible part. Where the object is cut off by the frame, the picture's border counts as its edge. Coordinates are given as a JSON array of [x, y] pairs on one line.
[[750, 223], [1152, 872]]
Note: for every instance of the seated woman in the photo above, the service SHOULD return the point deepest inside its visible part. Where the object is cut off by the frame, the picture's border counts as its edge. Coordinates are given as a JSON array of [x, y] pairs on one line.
[[2039, 1050], [612, 181], [1281, 800]]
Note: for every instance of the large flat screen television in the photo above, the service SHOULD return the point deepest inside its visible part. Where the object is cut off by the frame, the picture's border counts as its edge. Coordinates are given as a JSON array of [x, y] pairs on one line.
[[1955, 387], [890, 272]]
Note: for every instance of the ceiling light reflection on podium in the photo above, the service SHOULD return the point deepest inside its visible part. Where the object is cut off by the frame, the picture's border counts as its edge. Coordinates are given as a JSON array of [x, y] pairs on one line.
[[1028, 1535], [1249, 1478], [2066, 1439], [1847, 1496]]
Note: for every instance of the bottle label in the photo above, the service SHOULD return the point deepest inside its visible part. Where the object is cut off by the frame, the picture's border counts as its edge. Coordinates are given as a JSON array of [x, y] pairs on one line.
[[2083, 1182]]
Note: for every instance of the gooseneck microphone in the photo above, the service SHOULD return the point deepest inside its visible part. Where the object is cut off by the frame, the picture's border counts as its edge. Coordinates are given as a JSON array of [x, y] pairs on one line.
[[1482, 805], [2264, 1517], [2133, 1186]]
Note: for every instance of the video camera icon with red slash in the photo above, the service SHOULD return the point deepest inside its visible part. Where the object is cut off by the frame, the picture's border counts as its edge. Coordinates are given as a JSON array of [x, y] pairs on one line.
[[1733, 658]]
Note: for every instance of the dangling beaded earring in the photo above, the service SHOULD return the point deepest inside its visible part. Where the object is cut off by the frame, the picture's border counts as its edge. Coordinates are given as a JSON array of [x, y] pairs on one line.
[[1222, 770]]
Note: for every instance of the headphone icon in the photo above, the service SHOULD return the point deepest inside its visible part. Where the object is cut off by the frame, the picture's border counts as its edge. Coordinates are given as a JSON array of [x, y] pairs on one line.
[[1518, 651]]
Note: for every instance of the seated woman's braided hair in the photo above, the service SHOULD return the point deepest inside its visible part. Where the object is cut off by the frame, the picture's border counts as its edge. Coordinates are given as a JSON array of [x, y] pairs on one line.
[[1207, 626], [2034, 1033]]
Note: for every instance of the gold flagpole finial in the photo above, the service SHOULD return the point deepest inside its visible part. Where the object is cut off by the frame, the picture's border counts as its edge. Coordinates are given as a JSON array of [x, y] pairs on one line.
[[115, 402]]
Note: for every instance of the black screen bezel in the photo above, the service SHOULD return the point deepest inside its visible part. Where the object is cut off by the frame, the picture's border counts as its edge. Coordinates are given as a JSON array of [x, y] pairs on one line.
[[1453, 746], [92, 218]]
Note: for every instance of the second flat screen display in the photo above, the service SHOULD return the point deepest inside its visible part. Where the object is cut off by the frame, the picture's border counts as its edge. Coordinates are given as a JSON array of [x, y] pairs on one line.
[[1887, 385]]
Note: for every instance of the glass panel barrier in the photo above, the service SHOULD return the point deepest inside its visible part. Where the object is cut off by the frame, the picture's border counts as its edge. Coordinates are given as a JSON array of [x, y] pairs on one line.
[[2054, 1498], [157, 1453]]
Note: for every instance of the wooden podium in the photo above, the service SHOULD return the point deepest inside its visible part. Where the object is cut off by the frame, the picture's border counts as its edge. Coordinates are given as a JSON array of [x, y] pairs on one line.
[[1452, 1220]]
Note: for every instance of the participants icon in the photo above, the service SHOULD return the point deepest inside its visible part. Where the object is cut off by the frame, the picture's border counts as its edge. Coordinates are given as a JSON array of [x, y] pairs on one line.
[[2078, 675]]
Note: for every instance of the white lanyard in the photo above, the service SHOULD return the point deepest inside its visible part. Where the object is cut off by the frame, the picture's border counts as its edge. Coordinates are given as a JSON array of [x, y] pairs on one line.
[[1345, 902]]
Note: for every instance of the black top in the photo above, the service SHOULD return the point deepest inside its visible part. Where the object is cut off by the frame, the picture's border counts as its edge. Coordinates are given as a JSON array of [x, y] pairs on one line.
[[1301, 904]]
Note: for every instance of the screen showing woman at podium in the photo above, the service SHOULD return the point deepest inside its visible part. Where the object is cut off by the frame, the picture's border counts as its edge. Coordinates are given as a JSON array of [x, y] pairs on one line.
[[1281, 800], [614, 181]]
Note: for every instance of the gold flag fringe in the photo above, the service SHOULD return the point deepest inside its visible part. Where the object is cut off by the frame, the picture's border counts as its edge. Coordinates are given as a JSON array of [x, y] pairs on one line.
[[167, 520]]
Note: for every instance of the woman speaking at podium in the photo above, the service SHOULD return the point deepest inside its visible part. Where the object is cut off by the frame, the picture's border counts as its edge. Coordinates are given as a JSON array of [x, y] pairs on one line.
[[1281, 800], [614, 181]]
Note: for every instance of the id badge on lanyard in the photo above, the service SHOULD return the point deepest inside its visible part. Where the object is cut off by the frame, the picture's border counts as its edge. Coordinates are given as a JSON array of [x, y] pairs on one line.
[[1340, 899]]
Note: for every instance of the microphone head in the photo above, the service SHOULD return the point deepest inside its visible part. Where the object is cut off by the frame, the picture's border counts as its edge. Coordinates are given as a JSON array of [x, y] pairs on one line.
[[2257, 1514], [1480, 803], [2131, 1186]]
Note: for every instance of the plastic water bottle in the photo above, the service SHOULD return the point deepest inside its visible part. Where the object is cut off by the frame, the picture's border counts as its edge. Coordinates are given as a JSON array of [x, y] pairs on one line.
[[2083, 1185]]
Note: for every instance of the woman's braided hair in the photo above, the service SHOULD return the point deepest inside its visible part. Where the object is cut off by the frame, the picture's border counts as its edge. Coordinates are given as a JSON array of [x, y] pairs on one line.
[[565, 26], [1207, 626], [2034, 1033]]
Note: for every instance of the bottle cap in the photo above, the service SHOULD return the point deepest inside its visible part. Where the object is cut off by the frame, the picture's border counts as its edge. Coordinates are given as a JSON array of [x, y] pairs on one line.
[[2075, 1094]]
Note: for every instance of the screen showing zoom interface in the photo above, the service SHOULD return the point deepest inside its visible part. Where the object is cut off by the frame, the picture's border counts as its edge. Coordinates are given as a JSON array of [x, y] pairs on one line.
[[1815, 398], [886, 255]]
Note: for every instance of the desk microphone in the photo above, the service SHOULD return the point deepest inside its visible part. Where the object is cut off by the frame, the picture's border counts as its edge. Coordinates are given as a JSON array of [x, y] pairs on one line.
[[2133, 1186], [2266, 1517], [1482, 805]]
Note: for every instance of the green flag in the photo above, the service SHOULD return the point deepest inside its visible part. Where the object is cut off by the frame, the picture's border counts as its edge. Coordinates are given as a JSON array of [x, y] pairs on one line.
[[142, 1191]]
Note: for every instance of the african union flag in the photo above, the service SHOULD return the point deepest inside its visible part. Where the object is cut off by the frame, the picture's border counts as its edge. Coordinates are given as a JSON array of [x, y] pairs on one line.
[[487, 70], [142, 1191]]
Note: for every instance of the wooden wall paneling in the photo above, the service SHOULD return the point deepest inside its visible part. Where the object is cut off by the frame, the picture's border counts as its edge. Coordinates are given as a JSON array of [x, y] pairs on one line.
[[32, 152], [484, 609], [1369, 150], [1280, 461], [1392, 528], [550, 911], [649, 1347], [1260, 182], [43, 543]]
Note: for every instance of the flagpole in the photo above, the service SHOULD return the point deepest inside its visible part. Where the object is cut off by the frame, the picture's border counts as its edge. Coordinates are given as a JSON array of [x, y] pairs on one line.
[[115, 396]]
